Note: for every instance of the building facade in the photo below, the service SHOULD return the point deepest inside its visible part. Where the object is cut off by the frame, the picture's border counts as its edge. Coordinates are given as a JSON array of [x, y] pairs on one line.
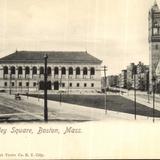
[[112, 81], [135, 76], [142, 77], [154, 40], [123, 79], [130, 75], [72, 72]]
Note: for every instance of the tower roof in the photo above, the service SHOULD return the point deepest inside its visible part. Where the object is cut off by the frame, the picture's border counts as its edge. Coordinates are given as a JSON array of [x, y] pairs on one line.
[[155, 7], [53, 57]]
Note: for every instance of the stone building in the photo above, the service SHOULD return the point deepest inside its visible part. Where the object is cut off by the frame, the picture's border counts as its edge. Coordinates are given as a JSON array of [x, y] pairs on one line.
[[123, 79], [112, 81], [141, 68], [142, 77], [72, 72], [141, 81], [130, 75], [154, 40]]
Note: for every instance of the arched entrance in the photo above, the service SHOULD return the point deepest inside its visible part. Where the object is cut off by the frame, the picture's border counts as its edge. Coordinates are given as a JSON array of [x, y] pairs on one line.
[[49, 85], [41, 85], [56, 85]]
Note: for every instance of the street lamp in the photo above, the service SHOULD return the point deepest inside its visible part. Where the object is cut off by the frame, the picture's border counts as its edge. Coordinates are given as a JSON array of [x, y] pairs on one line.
[[154, 85]]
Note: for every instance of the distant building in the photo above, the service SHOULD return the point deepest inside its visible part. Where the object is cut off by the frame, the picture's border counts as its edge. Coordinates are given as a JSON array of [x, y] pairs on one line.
[[135, 76], [130, 73], [23, 71], [141, 68], [141, 77], [112, 81], [123, 79], [141, 81]]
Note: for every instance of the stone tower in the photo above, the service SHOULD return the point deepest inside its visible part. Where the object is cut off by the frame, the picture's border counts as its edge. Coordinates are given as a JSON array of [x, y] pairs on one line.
[[154, 39]]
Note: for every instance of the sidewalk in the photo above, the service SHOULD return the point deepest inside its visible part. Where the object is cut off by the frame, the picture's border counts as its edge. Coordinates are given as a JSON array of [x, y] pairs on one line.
[[143, 101]]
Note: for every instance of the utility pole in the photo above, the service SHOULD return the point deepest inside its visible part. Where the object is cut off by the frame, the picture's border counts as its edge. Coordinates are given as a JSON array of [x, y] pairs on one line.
[[60, 84], [68, 82], [135, 103], [105, 105], [10, 76], [45, 89], [148, 93], [148, 87], [154, 86]]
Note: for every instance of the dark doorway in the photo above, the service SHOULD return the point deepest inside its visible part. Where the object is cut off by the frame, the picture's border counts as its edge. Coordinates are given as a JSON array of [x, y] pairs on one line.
[[41, 85], [56, 85], [49, 85]]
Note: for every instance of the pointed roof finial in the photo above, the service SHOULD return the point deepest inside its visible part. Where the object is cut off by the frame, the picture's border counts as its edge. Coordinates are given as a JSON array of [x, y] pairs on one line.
[[155, 2], [155, 6]]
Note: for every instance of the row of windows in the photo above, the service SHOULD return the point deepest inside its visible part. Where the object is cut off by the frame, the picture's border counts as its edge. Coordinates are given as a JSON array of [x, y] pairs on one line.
[[34, 84], [56, 70], [19, 84], [78, 85]]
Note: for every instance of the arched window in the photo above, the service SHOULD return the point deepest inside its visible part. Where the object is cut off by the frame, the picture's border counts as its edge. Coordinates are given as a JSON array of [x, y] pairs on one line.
[[77, 71], [27, 70], [19, 70], [84, 71], [155, 31], [63, 70], [56, 71], [41, 70], [92, 71], [34, 70], [12, 70], [70, 71], [5, 70], [49, 71]]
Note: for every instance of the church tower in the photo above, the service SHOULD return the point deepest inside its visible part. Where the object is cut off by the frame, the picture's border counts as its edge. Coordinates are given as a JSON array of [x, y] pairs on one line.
[[154, 39]]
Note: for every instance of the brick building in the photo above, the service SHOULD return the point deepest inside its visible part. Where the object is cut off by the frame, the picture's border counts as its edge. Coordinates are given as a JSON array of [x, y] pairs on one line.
[[130, 75], [123, 79]]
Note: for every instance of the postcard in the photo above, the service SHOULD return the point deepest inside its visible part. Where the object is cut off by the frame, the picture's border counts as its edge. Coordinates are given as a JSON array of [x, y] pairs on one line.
[[79, 79]]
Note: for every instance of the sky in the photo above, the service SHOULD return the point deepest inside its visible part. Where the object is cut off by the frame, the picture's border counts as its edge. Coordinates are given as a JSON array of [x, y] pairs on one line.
[[115, 31]]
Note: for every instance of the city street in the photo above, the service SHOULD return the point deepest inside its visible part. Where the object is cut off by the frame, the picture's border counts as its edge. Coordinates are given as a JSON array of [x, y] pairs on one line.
[[82, 108], [31, 109]]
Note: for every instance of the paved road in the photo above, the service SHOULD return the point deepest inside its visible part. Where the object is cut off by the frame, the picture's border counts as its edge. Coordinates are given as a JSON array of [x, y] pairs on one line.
[[19, 110], [32, 110]]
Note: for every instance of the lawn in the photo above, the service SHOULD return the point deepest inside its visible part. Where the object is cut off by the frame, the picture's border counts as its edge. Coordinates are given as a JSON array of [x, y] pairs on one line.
[[114, 103]]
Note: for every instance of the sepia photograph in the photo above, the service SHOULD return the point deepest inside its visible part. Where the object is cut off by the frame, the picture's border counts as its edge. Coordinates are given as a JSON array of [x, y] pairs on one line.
[[79, 79]]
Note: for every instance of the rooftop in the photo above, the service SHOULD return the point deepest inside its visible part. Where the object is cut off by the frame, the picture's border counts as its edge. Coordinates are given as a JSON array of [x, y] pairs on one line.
[[155, 7], [53, 57]]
